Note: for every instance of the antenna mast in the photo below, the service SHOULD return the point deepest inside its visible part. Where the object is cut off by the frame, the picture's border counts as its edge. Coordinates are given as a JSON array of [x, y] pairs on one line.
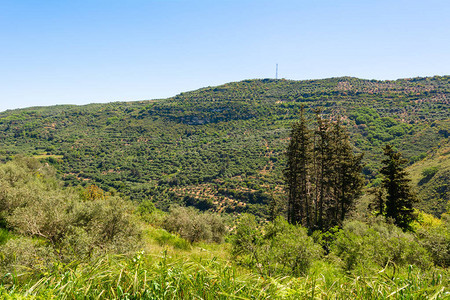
[[276, 72]]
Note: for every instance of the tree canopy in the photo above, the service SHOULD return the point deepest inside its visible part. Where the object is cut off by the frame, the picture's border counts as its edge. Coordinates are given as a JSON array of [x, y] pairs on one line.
[[323, 174]]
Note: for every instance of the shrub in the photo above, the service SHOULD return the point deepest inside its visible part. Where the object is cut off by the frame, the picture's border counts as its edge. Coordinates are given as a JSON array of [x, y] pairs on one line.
[[145, 208], [428, 173], [290, 249], [22, 181], [277, 248], [147, 212], [45, 216], [436, 239], [377, 245], [247, 240], [35, 204], [25, 255], [218, 229], [194, 226], [103, 226]]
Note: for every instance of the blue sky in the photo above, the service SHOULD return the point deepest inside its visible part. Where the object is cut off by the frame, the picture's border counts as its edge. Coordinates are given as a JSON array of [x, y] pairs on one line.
[[85, 51]]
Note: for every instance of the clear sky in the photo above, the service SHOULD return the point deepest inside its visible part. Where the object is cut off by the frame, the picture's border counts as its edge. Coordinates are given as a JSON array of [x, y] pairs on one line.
[[84, 51]]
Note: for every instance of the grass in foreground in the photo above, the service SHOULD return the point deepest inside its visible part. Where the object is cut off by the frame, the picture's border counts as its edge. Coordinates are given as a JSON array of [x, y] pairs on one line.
[[199, 274]]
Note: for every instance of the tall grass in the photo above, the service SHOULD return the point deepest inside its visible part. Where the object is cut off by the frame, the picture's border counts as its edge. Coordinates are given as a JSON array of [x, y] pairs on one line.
[[165, 276]]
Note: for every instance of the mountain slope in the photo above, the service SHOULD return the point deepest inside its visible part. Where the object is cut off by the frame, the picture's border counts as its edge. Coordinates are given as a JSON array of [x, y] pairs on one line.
[[223, 147], [430, 177]]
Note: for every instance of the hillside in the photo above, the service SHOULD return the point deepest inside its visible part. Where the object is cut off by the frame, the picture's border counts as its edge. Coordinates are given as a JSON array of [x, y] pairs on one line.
[[431, 179], [222, 148], [60, 242]]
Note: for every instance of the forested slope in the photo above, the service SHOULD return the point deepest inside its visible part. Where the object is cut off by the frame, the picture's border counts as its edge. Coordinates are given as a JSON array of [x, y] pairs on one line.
[[223, 147]]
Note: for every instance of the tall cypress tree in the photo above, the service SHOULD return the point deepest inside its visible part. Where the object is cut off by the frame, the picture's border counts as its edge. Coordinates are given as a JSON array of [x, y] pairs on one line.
[[323, 175], [322, 170], [399, 196], [348, 178], [297, 171]]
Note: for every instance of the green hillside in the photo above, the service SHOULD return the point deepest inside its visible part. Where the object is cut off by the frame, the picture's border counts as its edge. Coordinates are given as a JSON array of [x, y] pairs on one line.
[[431, 180], [68, 229], [60, 242], [222, 148]]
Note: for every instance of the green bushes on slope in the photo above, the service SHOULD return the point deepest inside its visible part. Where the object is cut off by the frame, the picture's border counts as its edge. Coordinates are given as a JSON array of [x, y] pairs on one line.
[[366, 247], [194, 226], [56, 224], [276, 248], [225, 135]]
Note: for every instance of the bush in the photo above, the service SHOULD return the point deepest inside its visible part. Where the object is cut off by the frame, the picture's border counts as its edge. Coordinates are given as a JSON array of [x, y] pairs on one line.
[[145, 208], [427, 173], [34, 204], [44, 216], [147, 212], [360, 245], [102, 226], [22, 181], [290, 249], [194, 226], [277, 248], [436, 239], [25, 256], [247, 240]]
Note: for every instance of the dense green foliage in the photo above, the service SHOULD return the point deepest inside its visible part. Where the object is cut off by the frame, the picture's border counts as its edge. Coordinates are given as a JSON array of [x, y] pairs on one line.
[[368, 246], [56, 224], [194, 226], [400, 198], [323, 175], [165, 276], [222, 147], [86, 243], [277, 248], [430, 177], [436, 239]]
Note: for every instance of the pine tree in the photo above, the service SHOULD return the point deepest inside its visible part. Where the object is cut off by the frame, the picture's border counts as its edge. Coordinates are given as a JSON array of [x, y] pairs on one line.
[[399, 196], [348, 178], [297, 171], [322, 170], [323, 175]]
